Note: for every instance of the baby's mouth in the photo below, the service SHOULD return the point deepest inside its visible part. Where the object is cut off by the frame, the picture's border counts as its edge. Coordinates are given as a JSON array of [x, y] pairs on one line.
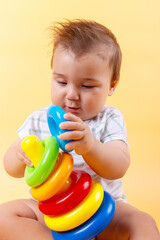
[[71, 109]]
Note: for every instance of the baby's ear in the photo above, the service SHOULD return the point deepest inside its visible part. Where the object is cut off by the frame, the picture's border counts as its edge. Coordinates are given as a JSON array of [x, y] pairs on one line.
[[113, 87], [111, 91]]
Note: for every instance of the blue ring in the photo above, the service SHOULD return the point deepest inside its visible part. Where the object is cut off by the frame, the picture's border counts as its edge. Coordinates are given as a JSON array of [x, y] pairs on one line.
[[54, 118], [94, 226]]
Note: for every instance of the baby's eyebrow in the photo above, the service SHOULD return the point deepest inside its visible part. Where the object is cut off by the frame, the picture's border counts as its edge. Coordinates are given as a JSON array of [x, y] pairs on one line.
[[90, 79], [58, 74]]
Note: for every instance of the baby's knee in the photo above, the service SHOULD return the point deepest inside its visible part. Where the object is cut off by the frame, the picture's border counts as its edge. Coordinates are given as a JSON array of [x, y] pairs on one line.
[[9, 211], [4, 219], [3, 211], [136, 223], [149, 221], [143, 218], [142, 224]]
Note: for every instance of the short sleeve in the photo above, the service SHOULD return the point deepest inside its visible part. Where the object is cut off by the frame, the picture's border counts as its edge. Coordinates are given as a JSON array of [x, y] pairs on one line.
[[25, 129], [35, 124], [114, 127]]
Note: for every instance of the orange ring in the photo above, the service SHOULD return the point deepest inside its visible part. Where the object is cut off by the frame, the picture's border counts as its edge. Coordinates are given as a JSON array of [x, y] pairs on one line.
[[66, 186], [56, 180]]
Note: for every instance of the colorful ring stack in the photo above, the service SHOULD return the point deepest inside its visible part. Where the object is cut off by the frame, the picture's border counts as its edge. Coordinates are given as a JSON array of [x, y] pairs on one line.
[[74, 206]]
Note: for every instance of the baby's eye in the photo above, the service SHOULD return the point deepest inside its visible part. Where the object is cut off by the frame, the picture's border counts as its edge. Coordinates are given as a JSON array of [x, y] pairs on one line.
[[87, 86], [61, 82]]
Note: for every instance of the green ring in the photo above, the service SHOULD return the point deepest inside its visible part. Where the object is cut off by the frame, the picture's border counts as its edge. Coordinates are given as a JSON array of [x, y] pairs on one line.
[[36, 176]]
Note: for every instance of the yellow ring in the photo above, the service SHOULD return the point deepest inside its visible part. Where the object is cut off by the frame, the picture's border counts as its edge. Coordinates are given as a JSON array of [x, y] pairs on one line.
[[56, 179], [80, 214]]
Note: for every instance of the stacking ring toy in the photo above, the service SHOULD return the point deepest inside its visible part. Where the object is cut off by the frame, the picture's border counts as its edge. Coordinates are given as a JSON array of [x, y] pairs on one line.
[[54, 118], [74, 206], [35, 176], [56, 179], [64, 202], [94, 226], [80, 213]]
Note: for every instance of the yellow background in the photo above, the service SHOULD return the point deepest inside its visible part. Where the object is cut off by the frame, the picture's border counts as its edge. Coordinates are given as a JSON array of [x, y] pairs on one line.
[[25, 81]]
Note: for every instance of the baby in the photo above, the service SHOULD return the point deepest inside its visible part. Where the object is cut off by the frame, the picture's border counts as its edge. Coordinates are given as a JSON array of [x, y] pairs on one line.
[[86, 65]]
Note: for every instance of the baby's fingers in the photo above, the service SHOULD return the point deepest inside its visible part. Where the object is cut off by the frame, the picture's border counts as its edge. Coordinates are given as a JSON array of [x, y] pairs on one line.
[[24, 158], [72, 117], [72, 145], [71, 135], [28, 162], [72, 126]]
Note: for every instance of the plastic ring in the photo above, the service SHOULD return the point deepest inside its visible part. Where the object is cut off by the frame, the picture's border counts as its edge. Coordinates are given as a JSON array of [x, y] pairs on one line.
[[56, 179], [66, 186], [79, 214], [94, 226], [36, 176], [54, 118], [64, 202]]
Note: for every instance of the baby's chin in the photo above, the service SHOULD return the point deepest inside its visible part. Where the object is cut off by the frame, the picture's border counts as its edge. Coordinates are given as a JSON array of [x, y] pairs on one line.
[[83, 118], [87, 117]]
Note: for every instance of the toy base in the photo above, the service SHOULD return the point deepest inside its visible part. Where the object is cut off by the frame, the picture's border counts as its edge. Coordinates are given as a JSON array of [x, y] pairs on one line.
[[94, 226]]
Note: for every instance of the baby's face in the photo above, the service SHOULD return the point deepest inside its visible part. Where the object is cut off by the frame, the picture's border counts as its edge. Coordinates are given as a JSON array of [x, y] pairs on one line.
[[80, 85]]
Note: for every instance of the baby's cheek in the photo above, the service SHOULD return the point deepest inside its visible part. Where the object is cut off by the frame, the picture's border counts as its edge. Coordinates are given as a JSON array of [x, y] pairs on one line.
[[92, 109]]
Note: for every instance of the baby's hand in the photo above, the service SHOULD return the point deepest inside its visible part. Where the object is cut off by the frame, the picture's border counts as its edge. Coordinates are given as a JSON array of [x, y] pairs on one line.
[[80, 134], [21, 154]]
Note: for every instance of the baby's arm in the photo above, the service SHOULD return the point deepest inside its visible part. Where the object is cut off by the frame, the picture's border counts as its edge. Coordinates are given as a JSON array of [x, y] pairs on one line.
[[109, 160], [15, 160]]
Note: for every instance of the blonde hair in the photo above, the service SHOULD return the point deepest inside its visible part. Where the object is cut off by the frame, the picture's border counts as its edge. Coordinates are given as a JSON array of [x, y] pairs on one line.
[[82, 36]]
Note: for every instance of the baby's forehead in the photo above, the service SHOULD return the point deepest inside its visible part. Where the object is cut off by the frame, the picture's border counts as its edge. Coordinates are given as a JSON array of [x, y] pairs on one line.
[[63, 54], [101, 51]]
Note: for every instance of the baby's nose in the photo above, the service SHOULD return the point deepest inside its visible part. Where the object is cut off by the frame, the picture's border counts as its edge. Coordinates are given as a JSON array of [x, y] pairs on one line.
[[72, 93]]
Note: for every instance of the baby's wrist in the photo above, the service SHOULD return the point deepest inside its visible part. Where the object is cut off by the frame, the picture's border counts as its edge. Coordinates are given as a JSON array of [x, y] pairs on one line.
[[91, 147]]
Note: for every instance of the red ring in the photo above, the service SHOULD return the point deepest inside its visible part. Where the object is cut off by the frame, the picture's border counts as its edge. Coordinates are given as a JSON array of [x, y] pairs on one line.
[[64, 202]]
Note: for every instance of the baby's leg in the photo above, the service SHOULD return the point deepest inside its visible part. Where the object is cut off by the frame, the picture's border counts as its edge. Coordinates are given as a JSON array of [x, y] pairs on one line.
[[130, 223], [22, 220]]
